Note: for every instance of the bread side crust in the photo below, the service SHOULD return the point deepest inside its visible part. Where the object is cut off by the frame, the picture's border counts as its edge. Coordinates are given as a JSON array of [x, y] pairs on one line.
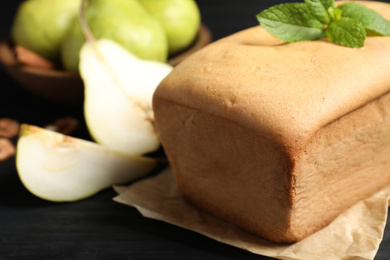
[[249, 180], [345, 162], [231, 172]]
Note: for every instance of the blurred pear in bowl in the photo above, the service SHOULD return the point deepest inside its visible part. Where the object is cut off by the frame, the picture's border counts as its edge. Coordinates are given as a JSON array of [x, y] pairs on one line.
[[54, 82]]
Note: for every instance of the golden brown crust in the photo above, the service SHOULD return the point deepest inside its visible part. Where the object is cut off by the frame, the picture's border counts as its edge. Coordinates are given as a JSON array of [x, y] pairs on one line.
[[272, 137]]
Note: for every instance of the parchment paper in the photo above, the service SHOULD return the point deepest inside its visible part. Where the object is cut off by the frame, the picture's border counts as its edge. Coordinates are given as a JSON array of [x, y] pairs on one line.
[[355, 234]]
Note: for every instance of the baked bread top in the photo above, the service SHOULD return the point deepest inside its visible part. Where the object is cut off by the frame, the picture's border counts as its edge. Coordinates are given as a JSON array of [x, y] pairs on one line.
[[289, 90]]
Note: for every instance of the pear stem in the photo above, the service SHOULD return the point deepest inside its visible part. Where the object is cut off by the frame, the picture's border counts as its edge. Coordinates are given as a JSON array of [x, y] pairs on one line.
[[89, 37], [83, 23]]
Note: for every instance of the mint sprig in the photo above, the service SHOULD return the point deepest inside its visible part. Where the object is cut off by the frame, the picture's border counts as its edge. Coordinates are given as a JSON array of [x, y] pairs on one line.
[[348, 24]]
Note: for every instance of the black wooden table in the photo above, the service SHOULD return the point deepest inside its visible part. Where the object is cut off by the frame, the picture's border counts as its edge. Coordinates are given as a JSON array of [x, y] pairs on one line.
[[97, 227]]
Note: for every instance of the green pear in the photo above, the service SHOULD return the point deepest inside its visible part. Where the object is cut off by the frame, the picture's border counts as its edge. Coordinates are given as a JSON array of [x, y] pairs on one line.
[[61, 168], [71, 46], [124, 21], [118, 96], [40, 25], [179, 18]]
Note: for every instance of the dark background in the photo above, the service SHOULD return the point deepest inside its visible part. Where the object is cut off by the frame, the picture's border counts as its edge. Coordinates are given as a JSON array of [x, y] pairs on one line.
[[98, 228]]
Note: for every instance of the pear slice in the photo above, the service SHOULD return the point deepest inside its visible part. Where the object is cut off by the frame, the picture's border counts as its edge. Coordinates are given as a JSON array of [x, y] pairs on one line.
[[61, 168], [118, 96]]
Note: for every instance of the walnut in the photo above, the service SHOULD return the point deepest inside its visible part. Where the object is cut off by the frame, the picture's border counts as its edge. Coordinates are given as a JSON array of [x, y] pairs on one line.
[[7, 149], [9, 128], [26, 57], [65, 125]]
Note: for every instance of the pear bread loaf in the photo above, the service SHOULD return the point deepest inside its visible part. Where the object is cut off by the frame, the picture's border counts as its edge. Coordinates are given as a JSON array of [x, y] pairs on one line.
[[278, 138]]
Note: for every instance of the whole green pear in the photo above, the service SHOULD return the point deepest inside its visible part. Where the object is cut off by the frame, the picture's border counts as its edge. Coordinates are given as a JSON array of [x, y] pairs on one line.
[[126, 22], [40, 25], [179, 18]]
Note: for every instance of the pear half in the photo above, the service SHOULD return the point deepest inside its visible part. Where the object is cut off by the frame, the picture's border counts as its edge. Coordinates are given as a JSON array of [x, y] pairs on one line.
[[118, 96], [61, 168]]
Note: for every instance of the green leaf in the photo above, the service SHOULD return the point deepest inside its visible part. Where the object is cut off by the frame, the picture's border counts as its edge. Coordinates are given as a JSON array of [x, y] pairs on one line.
[[347, 31], [291, 22], [370, 19], [337, 13], [320, 9]]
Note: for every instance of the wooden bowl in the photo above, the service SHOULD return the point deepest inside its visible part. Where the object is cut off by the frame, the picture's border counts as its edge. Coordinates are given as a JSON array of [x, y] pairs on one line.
[[66, 87]]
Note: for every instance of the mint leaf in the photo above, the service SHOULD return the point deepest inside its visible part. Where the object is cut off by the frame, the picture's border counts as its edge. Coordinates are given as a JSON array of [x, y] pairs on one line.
[[320, 9], [291, 22], [337, 12], [347, 31], [370, 19]]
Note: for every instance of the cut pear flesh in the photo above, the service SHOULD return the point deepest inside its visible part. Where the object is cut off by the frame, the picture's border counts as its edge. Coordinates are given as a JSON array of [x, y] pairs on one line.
[[61, 168], [118, 96]]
